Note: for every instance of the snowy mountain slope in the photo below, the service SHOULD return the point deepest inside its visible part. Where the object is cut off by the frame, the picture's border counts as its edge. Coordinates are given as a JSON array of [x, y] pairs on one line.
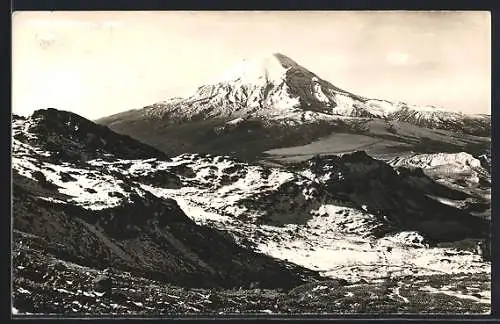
[[103, 218], [230, 194], [301, 225], [274, 196], [366, 181], [336, 237], [460, 171], [451, 161], [276, 99], [236, 190]]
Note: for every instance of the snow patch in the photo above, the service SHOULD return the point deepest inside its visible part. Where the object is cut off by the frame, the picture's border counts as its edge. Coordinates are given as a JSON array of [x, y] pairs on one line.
[[266, 69], [447, 290]]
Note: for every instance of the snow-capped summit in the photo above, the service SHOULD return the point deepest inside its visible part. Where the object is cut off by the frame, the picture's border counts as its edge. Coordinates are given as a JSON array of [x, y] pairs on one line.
[[273, 85], [256, 71]]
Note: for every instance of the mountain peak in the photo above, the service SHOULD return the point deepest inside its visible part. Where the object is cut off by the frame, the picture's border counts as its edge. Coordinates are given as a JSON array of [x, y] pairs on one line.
[[273, 86], [258, 70], [285, 60]]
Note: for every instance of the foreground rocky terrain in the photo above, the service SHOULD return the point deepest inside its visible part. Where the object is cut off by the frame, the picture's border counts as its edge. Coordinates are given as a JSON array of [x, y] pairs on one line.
[[44, 284], [105, 224]]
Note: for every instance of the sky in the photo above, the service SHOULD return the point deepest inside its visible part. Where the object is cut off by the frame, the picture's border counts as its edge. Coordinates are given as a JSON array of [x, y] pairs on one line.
[[100, 63]]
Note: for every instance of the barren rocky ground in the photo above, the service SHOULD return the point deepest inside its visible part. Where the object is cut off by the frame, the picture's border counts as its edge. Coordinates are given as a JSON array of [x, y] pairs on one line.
[[44, 284]]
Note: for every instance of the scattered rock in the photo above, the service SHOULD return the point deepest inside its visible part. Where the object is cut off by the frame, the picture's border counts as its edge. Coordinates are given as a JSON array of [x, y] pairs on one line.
[[483, 250], [59, 266], [103, 284], [66, 177]]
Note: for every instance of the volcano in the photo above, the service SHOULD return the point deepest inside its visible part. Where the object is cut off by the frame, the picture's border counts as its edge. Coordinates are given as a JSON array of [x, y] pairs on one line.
[[273, 102]]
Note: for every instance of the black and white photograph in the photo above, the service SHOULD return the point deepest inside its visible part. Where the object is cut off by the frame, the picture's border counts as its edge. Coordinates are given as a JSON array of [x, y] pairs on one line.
[[250, 163]]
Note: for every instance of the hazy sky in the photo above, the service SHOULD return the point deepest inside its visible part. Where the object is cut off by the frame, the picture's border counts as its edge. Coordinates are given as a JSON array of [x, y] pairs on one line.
[[100, 63]]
